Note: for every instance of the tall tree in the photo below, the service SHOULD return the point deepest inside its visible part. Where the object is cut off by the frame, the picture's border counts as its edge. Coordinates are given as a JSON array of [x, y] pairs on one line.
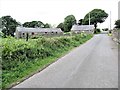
[[96, 16], [80, 22], [61, 26], [8, 25], [68, 22], [33, 24], [47, 25], [117, 23]]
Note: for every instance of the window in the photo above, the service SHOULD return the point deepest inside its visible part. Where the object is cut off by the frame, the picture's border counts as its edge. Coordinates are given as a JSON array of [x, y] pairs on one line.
[[23, 34], [32, 33]]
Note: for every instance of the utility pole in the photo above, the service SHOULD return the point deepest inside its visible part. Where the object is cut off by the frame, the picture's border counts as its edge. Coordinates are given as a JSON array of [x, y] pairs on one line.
[[89, 21], [110, 20], [89, 18]]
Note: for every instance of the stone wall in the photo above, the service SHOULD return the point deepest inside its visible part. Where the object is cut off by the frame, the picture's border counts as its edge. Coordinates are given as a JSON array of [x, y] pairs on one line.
[[116, 35]]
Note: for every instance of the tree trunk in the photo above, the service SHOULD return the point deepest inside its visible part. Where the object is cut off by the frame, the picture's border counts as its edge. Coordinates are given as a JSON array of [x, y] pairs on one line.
[[95, 25], [27, 37]]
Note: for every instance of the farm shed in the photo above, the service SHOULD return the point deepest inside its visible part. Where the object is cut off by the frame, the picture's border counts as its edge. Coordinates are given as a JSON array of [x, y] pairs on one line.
[[82, 28], [21, 32]]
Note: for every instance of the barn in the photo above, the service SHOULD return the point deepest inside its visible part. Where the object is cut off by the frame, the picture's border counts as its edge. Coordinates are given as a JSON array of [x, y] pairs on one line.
[[21, 32], [89, 29]]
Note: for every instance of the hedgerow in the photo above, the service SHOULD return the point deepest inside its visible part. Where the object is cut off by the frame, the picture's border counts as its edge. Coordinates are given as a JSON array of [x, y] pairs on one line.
[[18, 55]]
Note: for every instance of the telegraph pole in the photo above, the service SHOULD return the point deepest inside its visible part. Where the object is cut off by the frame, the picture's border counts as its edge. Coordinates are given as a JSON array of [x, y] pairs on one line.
[[89, 21], [89, 18], [110, 20]]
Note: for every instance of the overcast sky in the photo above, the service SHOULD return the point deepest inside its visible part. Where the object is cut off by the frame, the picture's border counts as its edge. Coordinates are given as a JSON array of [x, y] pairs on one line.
[[54, 11]]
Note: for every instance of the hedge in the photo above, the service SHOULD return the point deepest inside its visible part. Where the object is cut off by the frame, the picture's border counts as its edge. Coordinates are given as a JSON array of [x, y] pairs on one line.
[[18, 54]]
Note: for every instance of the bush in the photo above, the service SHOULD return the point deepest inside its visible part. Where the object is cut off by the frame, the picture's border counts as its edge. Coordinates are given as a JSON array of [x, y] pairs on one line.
[[97, 31]]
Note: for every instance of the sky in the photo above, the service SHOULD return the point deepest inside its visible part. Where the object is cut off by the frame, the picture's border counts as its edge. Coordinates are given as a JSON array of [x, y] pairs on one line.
[[54, 11]]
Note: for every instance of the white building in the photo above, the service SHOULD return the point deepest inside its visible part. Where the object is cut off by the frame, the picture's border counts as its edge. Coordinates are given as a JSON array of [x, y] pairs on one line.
[[21, 32], [83, 28]]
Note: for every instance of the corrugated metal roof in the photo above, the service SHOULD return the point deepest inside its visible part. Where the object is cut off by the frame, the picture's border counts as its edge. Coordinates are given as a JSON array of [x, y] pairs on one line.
[[82, 27], [23, 29]]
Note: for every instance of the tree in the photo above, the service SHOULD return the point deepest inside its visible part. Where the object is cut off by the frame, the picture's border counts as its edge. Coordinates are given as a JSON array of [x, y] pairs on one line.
[[68, 22], [97, 31], [33, 24], [117, 23], [61, 26], [105, 29], [47, 25], [80, 22], [96, 16], [8, 25]]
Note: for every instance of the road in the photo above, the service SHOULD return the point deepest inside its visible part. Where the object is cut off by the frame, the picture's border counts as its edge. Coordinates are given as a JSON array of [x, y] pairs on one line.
[[91, 65]]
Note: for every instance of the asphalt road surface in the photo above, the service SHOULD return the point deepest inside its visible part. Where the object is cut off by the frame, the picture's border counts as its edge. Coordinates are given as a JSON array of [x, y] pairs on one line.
[[91, 65]]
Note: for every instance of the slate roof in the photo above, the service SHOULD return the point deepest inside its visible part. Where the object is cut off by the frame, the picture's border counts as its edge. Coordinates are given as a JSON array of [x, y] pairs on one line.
[[82, 27], [42, 30]]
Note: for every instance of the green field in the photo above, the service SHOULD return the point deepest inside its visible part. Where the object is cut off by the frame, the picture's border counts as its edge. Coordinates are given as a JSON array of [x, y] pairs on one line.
[[21, 59]]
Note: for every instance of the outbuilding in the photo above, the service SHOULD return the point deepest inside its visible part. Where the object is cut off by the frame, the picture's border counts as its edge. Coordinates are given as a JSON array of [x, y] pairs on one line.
[[21, 32], [89, 29]]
